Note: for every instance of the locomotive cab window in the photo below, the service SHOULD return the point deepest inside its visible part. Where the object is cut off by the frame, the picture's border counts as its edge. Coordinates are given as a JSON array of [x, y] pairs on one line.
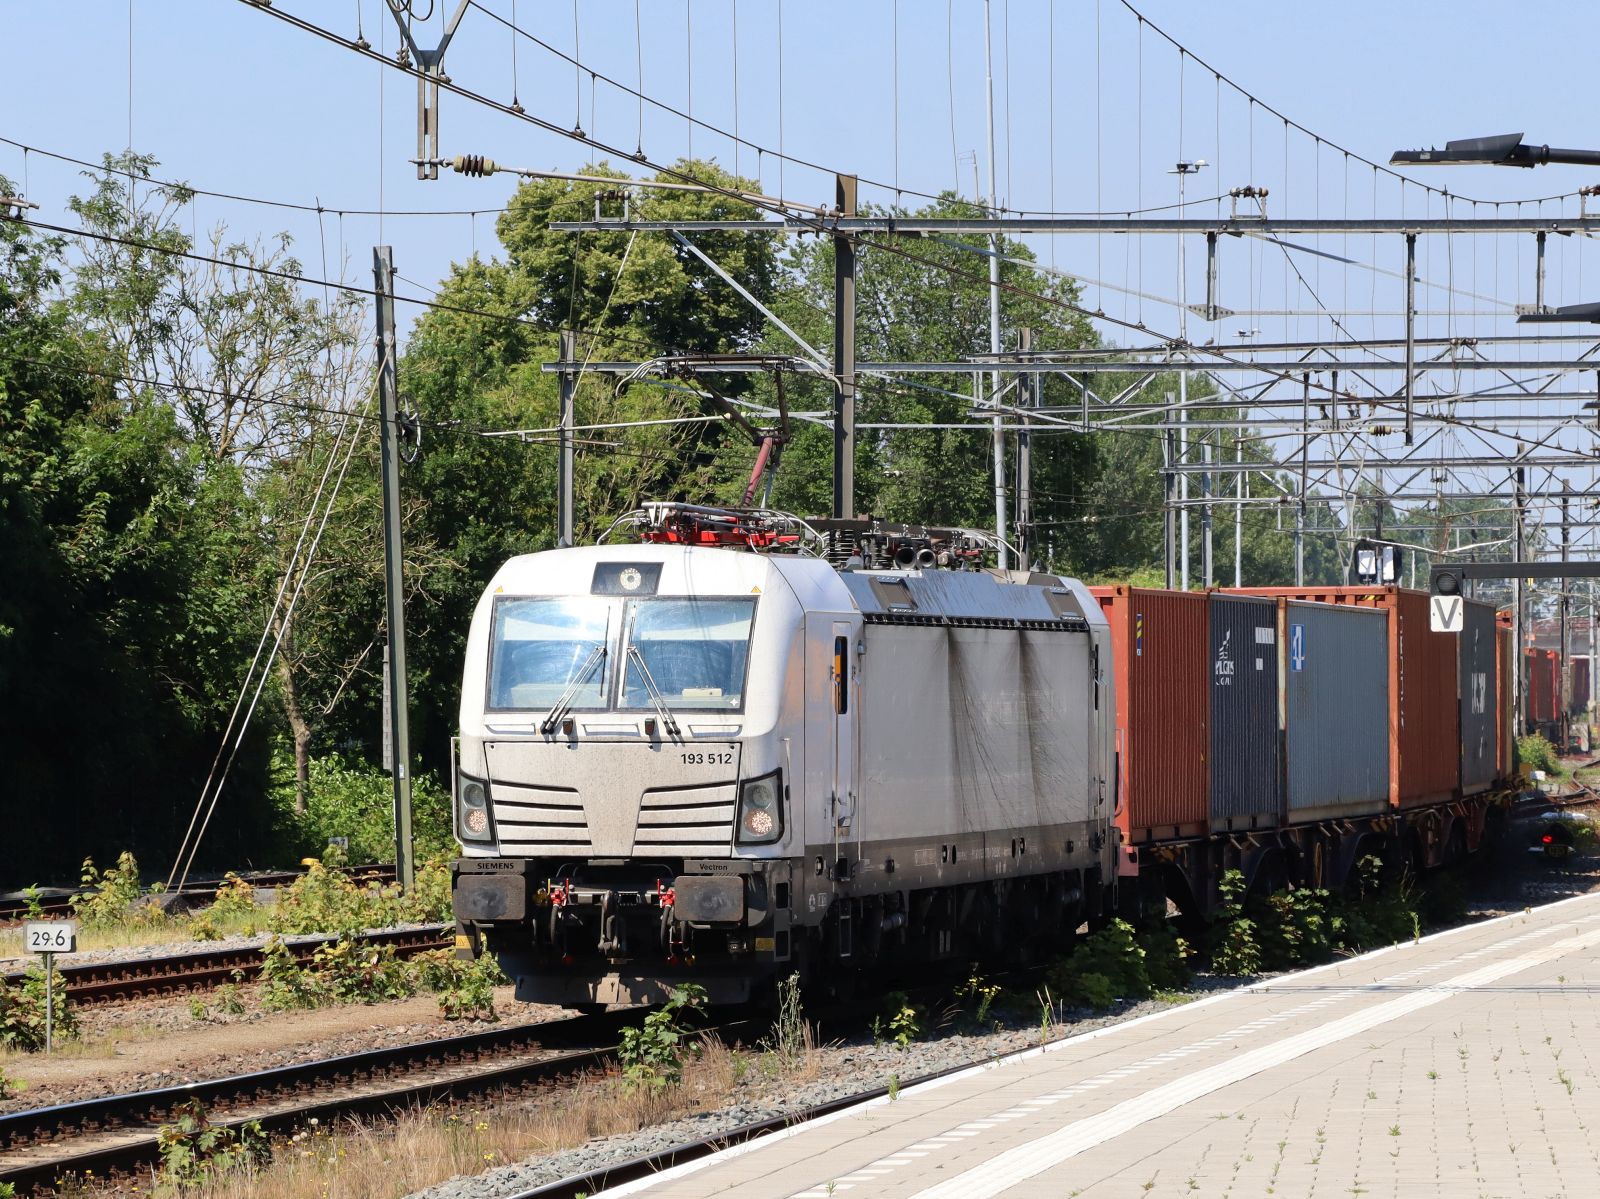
[[693, 652], [539, 647]]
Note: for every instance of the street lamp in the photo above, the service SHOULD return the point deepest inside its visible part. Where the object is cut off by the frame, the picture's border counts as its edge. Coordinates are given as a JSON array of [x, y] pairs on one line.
[[1506, 150]]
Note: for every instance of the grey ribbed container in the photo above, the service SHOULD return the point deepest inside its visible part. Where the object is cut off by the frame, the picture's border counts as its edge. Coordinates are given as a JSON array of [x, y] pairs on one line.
[[1477, 681], [1336, 702], [1245, 739]]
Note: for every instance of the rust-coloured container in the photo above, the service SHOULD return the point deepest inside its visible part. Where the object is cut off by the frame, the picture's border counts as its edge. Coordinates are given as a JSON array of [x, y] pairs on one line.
[[1159, 642], [1424, 701], [1544, 686]]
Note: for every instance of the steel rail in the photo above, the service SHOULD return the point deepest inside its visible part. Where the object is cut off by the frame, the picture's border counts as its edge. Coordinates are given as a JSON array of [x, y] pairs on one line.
[[99, 982], [16, 908], [129, 1123]]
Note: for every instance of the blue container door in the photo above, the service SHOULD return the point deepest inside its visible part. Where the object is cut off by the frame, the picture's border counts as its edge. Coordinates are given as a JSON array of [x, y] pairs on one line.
[[1245, 738]]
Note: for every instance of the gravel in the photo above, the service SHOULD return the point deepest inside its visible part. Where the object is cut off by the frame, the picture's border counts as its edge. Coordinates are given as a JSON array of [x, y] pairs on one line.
[[844, 1069], [1516, 878]]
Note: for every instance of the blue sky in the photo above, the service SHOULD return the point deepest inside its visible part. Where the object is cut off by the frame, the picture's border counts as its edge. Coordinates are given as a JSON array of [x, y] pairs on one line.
[[1088, 117]]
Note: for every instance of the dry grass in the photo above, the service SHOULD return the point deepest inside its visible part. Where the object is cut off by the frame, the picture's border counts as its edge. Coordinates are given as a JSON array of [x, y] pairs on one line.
[[147, 930], [422, 1147]]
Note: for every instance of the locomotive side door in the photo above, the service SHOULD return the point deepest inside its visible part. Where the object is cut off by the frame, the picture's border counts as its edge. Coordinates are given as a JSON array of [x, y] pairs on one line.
[[843, 693], [831, 693]]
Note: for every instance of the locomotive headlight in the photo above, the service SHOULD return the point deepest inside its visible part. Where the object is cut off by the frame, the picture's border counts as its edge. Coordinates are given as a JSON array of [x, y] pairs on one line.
[[761, 809], [475, 825]]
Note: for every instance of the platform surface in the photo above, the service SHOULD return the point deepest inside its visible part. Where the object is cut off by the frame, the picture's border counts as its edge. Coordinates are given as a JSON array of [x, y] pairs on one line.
[[1463, 1064]]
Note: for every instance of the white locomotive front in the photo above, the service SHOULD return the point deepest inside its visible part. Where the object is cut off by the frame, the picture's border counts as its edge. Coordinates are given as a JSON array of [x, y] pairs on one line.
[[689, 763]]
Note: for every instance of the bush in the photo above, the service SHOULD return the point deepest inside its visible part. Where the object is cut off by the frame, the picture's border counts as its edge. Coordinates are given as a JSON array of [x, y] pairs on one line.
[[192, 1147], [1378, 913], [1234, 945], [350, 970], [1108, 965], [285, 984], [1166, 958], [465, 989], [109, 898], [354, 800], [652, 1055], [22, 1011], [1295, 928], [1536, 753]]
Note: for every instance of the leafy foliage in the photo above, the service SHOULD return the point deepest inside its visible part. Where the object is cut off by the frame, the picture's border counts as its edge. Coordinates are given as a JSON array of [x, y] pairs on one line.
[[192, 1148], [465, 990], [23, 1007], [1535, 752], [1236, 946], [1108, 965], [652, 1053]]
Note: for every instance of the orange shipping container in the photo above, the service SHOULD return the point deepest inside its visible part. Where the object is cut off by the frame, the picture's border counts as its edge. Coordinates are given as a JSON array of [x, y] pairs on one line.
[[1424, 702], [1159, 643]]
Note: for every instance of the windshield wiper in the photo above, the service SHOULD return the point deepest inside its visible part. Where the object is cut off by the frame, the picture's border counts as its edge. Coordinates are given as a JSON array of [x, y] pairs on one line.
[[668, 722], [564, 700]]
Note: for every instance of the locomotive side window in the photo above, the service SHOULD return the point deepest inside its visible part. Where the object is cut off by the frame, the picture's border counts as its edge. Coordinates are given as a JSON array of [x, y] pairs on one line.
[[539, 646], [695, 651], [841, 676]]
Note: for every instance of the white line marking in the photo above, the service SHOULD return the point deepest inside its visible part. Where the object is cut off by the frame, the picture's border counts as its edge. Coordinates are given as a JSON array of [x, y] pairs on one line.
[[1016, 1166], [1264, 987]]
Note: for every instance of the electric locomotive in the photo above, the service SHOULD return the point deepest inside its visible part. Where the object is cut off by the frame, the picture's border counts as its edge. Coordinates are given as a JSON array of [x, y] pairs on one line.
[[748, 746]]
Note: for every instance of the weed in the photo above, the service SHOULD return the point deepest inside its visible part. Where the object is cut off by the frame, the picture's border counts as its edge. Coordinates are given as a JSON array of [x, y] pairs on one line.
[[1433, 1074], [1565, 1080], [1295, 927], [1047, 1010], [1536, 753], [652, 1055], [197, 1008], [1394, 1130], [1235, 948], [228, 1001], [235, 897], [35, 910], [350, 970], [981, 995], [901, 1022], [22, 1011], [465, 989], [285, 984], [192, 1147], [894, 1087], [1108, 965], [1166, 958], [108, 898], [10, 1086], [791, 1038]]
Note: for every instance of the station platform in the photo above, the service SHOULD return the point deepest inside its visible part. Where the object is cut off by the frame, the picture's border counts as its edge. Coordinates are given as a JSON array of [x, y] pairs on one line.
[[1462, 1064]]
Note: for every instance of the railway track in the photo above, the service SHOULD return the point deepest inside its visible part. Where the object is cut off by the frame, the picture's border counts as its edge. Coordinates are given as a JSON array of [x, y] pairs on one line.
[[15, 909], [202, 969], [117, 1134]]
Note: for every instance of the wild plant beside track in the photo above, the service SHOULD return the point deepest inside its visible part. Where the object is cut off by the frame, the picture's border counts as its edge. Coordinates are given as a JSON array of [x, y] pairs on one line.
[[22, 1012], [326, 899]]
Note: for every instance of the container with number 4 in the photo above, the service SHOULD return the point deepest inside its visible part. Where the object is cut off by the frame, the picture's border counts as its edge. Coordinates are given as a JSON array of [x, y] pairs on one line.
[[738, 745]]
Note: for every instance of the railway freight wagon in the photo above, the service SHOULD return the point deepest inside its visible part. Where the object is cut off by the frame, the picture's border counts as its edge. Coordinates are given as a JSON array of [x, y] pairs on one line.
[[1544, 691], [680, 762], [1362, 750]]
